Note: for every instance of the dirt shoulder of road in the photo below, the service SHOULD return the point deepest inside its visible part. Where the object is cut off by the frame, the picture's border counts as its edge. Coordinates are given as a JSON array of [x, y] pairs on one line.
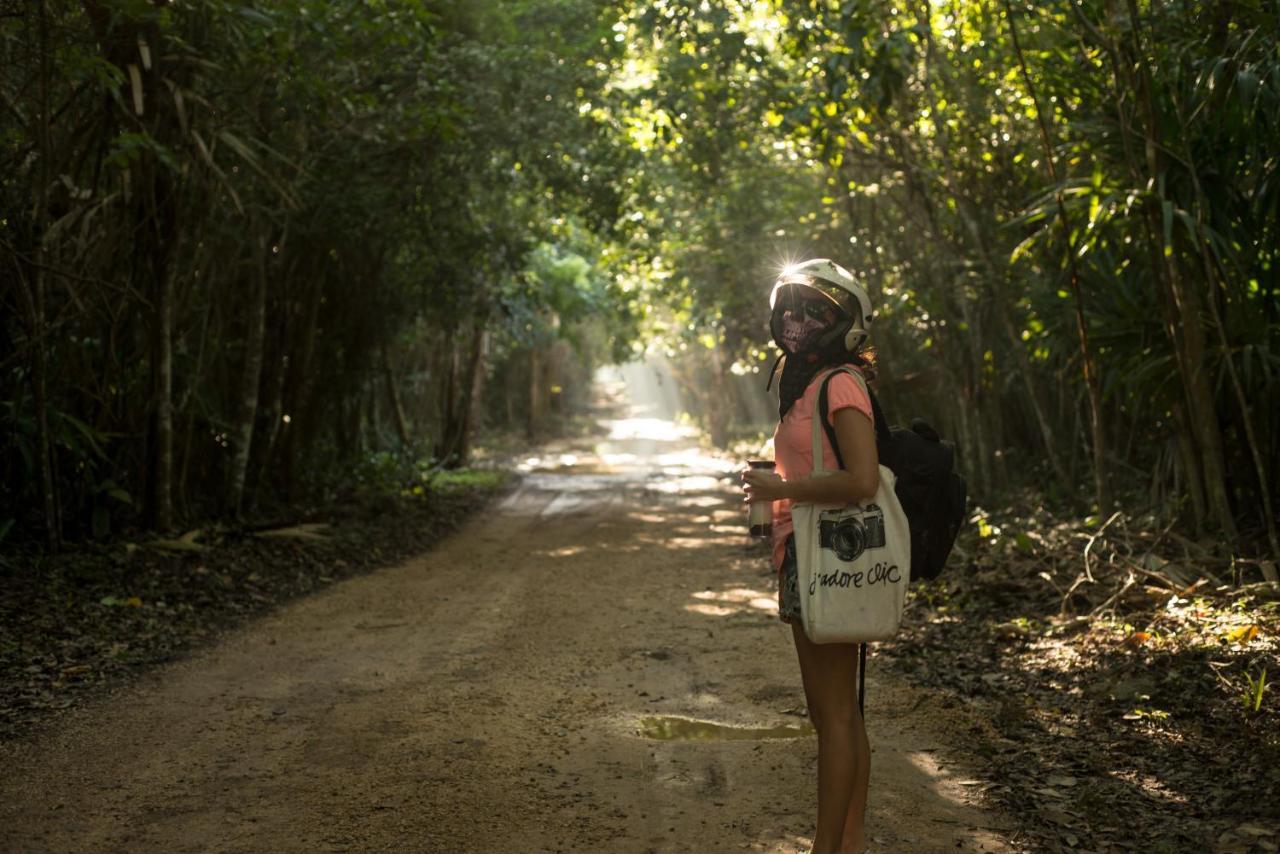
[[96, 617]]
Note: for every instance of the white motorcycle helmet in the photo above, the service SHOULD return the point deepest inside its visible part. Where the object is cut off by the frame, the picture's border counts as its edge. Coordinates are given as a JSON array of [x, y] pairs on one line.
[[837, 284]]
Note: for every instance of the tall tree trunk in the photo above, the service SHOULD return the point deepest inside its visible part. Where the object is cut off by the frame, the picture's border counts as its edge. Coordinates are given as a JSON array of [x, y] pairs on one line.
[[133, 46], [272, 419], [465, 372], [972, 385], [1189, 461], [510, 390], [32, 292], [1211, 274], [720, 398], [300, 383], [36, 299], [370, 417], [250, 381], [972, 456], [1093, 382], [1125, 83], [276, 350], [182, 408], [473, 377], [445, 446], [1202, 411], [534, 422], [393, 396], [159, 229]]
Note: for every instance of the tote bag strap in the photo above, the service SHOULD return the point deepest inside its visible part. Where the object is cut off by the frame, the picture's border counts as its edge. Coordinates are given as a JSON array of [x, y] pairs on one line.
[[820, 419], [819, 424]]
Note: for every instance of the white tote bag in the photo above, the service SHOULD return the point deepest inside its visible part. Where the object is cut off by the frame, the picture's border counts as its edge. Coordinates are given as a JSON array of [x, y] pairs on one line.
[[854, 561]]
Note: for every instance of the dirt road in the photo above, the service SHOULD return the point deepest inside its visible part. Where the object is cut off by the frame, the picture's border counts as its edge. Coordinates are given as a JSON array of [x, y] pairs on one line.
[[525, 687]]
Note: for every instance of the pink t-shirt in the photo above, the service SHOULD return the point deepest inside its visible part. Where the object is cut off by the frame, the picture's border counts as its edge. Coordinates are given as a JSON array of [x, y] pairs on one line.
[[793, 442]]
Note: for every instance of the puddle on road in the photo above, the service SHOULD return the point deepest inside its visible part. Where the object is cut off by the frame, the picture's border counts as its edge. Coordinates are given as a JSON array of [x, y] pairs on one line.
[[674, 728]]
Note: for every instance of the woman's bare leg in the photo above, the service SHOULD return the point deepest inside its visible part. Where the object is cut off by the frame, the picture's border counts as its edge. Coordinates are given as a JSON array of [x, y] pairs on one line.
[[854, 840], [829, 672]]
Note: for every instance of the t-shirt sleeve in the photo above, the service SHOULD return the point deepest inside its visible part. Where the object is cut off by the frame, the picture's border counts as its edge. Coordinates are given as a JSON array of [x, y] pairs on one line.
[[845, 392]]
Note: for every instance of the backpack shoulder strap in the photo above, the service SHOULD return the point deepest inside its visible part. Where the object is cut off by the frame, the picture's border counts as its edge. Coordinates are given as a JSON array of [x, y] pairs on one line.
[[824, 411]]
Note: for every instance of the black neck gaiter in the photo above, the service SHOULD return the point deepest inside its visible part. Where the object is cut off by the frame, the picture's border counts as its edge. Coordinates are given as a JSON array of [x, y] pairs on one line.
[[798, 371]]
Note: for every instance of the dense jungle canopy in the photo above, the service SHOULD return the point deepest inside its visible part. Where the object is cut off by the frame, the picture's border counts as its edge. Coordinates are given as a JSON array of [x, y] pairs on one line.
[[252, 251]]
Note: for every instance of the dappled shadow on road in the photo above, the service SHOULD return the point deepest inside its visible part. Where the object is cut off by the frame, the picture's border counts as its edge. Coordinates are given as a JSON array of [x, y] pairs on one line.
[[512, 665], [674, 504], [1115, 751]]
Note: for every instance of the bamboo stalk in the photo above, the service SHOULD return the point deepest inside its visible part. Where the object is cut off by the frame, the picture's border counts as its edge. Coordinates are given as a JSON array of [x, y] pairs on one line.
[[1092, 380], [36, 282], [1211, 275], [250, 381], [1201, 412]]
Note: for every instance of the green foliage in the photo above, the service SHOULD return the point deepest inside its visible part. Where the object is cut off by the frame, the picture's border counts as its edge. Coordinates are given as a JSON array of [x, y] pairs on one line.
[[906, 142], [405, 474], [1253, 694], [467, 480], [402, 178], [439, 201]]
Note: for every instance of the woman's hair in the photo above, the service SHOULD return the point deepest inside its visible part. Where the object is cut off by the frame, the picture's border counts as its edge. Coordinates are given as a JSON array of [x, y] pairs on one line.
[[867, 359]]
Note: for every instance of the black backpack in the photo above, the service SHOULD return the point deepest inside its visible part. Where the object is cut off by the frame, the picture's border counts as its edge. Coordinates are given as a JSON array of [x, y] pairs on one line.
[[932, 493]]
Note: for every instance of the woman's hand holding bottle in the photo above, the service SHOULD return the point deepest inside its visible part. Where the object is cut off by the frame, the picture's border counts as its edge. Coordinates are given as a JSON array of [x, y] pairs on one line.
[[761, 483]]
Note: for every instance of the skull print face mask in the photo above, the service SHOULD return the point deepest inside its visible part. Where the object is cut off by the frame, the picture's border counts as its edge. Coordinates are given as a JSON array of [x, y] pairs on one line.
[[799, 330], [800, 327]]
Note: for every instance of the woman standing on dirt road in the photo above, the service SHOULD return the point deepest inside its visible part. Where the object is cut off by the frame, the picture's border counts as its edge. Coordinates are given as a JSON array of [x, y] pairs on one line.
[[820, 320]]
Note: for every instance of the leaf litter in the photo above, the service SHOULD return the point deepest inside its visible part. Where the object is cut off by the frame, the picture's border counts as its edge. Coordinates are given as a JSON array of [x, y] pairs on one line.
[[1125, 673]]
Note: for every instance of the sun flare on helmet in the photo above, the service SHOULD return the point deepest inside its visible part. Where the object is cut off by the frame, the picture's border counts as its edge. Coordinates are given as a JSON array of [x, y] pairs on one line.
[[827, 278]]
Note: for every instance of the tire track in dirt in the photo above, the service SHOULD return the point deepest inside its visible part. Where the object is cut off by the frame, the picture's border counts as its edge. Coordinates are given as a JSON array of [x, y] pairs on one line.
[[485, 698]]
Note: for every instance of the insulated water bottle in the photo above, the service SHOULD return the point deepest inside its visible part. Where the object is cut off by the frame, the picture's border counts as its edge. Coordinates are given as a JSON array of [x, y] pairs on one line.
[[760, 513]]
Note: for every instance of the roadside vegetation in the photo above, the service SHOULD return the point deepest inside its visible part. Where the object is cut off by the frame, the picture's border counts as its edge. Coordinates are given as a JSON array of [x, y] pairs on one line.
[[265, 265], [1123, 680]]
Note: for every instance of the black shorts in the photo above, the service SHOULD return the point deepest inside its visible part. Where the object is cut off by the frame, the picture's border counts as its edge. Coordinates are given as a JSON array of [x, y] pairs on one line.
[[789, 585]]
